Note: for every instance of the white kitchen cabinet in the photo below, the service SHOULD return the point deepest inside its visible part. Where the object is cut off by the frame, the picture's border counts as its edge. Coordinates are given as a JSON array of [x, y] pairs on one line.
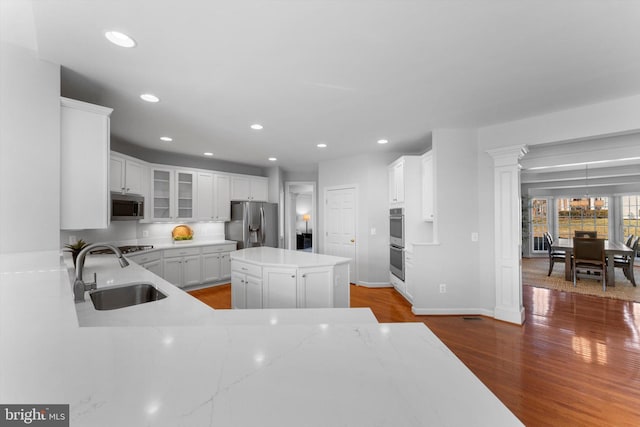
[[155, 267], [211, 268], [409, 275], [127, 176], [315, 287], [182, 266], [221, 197], [205, 196], [280, 287], [152, 261], [213, 197], [173, 194], [84, 165], [427, 186], [246, 285], [216, 263], [396, 181], [253, 188]]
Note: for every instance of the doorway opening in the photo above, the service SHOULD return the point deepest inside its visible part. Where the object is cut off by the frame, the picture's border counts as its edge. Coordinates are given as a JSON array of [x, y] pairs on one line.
[[300, 216]]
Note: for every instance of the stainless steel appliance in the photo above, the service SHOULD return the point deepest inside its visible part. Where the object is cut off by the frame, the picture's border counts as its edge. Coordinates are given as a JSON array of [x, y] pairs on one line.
[[396, 261], [396, 227], [126, 207], [396, 242], [253, 224]]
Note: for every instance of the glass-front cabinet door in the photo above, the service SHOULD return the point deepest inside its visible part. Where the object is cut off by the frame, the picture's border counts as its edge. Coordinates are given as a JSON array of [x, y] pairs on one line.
[[162, 190], [185, 195]]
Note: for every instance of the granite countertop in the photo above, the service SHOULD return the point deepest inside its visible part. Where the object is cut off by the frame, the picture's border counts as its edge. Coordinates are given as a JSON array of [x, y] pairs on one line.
[[266, 256], [311, 371]]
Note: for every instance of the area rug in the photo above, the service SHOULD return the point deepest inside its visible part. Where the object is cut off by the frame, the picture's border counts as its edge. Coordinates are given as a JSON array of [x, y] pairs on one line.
[[534, 273]]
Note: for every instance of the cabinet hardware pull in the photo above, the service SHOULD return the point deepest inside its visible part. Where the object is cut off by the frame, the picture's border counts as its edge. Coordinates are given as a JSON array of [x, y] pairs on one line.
[[293, 275]]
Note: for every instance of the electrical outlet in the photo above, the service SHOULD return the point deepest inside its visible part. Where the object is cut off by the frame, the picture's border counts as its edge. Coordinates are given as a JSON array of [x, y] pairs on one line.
[[443, 288], [145, 233], [73, 240]]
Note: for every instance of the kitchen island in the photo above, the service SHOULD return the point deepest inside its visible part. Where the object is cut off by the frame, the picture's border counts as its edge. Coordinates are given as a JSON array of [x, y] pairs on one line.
[[265, 277], [313, 373]]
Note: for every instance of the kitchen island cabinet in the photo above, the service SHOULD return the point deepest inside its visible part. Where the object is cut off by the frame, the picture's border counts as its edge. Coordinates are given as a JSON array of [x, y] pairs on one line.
[[288, 279]]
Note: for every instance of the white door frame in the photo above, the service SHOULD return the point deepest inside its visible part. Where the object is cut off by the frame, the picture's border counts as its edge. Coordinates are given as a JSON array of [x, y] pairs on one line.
[[353, 275], [289, 223]]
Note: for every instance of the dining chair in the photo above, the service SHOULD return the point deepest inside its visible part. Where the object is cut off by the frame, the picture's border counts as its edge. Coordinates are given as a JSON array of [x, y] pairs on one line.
[[585, 233], [588, 254], [629, 240], [553, 255], [626, 262]]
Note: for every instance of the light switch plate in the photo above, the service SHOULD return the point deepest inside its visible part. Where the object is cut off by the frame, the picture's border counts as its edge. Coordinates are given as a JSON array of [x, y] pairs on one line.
[[373, 231], [474, 236]]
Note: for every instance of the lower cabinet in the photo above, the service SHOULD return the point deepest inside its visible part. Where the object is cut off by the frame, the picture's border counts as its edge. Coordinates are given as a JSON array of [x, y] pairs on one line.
[[315, 285], [182, 271], [246, 286], [280, 287], [188, 266], [254, 286]]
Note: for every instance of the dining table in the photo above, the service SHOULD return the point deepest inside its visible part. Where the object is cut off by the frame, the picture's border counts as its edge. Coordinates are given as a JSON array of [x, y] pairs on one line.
[[611, 248]]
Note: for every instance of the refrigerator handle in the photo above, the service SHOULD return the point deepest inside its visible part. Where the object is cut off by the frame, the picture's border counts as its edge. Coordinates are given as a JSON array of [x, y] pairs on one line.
[[262, 226]]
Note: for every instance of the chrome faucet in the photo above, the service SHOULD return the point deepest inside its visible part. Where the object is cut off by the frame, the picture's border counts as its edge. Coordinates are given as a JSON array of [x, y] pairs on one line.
[[79, 287]]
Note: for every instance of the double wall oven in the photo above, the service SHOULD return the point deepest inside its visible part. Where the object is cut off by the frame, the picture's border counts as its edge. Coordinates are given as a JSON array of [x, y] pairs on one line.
[[396, 242]]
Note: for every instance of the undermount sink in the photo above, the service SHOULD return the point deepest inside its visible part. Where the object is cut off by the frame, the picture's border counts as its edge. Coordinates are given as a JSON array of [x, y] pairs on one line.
[[125, 296]]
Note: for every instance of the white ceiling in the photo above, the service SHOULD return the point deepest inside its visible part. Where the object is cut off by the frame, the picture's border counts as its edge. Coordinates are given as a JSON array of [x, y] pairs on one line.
[[345, 73]]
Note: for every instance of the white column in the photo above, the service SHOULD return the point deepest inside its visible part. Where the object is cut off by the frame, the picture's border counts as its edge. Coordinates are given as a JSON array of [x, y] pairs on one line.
[[508, 233]]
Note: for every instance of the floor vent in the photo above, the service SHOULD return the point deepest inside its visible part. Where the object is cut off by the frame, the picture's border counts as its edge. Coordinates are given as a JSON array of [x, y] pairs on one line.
[[472, 318]]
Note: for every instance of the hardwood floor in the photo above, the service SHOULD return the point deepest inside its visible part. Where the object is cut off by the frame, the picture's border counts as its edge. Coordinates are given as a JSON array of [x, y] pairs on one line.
[[575, 361]]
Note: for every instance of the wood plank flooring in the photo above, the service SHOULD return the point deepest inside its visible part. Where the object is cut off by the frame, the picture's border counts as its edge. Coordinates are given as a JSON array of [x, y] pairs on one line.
[[575, 361]]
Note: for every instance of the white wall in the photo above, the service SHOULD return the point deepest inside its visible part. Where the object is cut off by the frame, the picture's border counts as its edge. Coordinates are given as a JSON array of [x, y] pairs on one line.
[[369, 173], [454, 261], [29, 151]]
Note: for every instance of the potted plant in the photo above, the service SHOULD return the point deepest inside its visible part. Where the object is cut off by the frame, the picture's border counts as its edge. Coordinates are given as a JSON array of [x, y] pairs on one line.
[[75, 249]]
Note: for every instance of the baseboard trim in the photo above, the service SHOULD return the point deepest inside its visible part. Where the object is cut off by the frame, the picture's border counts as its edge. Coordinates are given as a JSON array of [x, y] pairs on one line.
[[452, 311], [375, 284]]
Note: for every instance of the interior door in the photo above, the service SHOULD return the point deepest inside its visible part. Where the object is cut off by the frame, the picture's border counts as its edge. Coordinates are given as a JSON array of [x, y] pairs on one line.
[[340, 236]]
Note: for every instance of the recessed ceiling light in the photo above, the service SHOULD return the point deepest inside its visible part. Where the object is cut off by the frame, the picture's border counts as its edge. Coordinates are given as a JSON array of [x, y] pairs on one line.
[[149, 97], [208, 154], [166, 138], [382, 141], [272, 159], [256, 126], [321, 145], [120, 39]]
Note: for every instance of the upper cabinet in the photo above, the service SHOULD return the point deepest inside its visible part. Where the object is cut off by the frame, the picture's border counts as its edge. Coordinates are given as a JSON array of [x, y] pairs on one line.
[[253, 188], [396, 181], [127, 176], [213, 197], [172, 194], [427, 186], [84, 165]]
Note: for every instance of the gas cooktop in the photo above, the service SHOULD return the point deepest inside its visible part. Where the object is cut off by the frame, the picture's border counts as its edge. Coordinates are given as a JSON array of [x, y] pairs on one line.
[[124, 249]]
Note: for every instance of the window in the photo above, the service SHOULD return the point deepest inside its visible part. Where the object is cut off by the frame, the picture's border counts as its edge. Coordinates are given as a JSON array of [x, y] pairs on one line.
[[631, 215], [539, 224], [586, 213]]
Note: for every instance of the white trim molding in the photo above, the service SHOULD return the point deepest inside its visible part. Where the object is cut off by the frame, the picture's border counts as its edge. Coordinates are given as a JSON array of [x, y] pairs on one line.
[[452, 312], [374, 284], [507, 238]]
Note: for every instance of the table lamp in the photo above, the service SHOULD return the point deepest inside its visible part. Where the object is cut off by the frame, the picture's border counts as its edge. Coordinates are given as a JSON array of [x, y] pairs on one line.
[[306, 218]]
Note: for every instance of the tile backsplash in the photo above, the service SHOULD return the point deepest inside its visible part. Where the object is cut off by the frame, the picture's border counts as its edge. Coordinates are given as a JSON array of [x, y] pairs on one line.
[[132, 232]]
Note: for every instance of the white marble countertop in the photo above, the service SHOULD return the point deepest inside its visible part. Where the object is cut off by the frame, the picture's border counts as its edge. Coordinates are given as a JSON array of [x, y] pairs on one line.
[[266, 256], [225, 374]]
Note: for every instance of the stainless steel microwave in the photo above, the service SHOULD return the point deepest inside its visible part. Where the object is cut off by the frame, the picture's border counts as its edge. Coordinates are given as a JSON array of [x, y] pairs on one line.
[[125, 207]]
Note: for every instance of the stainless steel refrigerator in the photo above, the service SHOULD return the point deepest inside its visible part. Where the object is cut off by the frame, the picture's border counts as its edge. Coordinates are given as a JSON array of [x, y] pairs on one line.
[[253, 224]]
